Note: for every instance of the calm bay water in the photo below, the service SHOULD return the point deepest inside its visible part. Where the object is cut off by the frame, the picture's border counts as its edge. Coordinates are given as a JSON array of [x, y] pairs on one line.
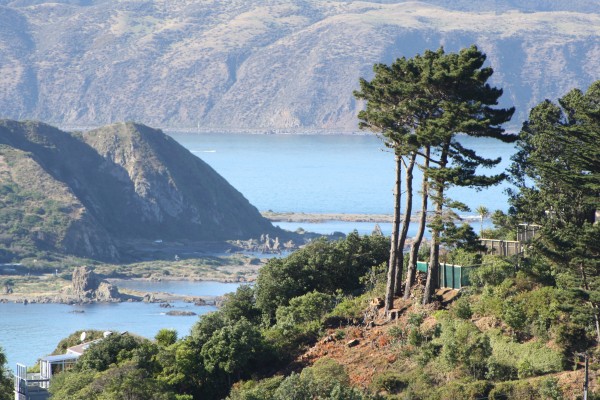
[[182, 288], [324, 173], [299, 173], [28, 332], [328, 174]]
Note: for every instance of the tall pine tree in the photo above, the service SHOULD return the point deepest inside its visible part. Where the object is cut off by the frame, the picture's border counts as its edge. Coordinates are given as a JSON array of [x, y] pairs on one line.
[[557, 174]]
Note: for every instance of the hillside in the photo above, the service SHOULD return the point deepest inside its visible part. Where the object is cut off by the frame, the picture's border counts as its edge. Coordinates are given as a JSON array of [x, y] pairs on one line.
[[289, 65], [89, 193]]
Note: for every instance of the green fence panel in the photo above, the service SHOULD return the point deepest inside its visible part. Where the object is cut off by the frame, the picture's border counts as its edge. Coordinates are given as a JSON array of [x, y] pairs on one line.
[[466, 272], [456, 282], [450, 276]]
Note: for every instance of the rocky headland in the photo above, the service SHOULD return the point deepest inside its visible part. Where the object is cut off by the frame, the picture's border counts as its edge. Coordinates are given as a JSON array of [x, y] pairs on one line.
[[112, 194]]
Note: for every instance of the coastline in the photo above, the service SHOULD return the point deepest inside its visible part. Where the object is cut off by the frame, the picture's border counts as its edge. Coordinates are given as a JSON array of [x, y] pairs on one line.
[[125, 294], [320, 217], [274, 216], [215, 263]]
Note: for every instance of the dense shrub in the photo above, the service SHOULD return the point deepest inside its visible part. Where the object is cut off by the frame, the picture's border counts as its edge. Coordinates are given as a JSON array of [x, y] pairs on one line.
[[166, 337], [348, 309], [463, 346], [326, 380], [531, 358], [126, 381], [493, 271], [391, 382], [546, 389], [513, 314], [234, 348], [241, 304], [461, 308], [256, 390], [464, 391], [323, 266], [306, 308], [100, 355], [299, 323]]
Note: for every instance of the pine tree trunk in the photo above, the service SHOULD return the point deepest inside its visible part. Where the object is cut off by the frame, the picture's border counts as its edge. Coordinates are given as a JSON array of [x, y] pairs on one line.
[[405, 225], [391, 273], [434, 256], [414, 248]]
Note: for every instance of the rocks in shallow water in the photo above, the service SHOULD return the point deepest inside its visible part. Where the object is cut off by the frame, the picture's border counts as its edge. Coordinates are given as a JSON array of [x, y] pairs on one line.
[[180, 313], [149, 298], [166, 305], [88, 286], [107, 292]]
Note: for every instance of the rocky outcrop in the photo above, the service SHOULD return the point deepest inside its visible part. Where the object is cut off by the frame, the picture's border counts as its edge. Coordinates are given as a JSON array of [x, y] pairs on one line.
[[84, 282], [87, 285], [281, 64], [89, 193], [180, 313]]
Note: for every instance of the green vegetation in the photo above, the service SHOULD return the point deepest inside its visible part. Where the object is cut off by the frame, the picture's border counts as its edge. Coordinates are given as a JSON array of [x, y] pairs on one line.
[[27, 214], [6, 384]]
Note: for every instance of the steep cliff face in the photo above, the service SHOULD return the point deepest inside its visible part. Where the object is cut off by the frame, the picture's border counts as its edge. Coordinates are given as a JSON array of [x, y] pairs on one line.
[[174, 192], [86, 193], [281, 64]]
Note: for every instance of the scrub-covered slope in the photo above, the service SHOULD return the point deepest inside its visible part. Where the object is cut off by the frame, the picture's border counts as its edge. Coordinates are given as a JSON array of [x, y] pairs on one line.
[[278, 64]]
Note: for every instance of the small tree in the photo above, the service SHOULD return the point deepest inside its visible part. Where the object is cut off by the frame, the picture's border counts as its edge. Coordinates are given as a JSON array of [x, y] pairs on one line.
[[166, 337], [483, 213], [233, 348]]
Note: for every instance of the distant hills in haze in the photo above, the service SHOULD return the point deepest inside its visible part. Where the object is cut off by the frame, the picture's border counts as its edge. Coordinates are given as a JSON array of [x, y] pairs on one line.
[[90, 193], [274, 64]]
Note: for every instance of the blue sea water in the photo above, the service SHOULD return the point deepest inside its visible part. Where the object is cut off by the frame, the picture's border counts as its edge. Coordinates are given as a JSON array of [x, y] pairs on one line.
[[28, 332], [325, 173]]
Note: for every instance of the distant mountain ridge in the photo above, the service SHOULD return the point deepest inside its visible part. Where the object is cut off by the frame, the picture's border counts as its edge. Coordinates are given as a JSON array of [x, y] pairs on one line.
[[276, 64], [86, 193]]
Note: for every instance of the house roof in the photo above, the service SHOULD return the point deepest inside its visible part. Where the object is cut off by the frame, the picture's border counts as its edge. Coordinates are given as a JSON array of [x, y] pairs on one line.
[[60, 357], [80, 348]]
